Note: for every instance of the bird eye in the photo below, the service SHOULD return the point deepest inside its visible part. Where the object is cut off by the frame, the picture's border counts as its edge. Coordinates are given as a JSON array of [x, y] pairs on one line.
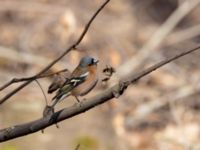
[[92, 61]]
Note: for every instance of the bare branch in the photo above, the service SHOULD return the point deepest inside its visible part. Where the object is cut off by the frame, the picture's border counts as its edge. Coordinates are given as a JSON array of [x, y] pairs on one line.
[[16, 80], [73, 46], [115, 91]]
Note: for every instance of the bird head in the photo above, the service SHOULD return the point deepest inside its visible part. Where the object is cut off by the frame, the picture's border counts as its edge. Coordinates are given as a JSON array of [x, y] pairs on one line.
[[88, 61]]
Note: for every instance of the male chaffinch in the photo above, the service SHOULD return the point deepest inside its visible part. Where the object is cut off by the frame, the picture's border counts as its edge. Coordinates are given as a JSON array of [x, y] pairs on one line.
[[82, 80]]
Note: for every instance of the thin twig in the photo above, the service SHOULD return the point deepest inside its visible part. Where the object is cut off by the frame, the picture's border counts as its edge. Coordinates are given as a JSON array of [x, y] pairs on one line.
[[162, 63], [89, 23], [32, 78], [46, 102], [16, 80], [108, 94]]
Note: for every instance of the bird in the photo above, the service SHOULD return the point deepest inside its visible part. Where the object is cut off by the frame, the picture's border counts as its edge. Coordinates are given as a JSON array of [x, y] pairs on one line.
[[81, 81]]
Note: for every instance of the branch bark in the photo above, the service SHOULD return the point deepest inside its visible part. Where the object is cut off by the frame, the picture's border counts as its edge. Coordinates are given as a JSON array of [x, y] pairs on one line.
[[113, 92]]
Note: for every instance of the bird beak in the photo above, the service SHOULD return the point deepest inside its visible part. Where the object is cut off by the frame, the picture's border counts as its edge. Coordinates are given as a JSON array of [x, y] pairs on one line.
[[96, 61]]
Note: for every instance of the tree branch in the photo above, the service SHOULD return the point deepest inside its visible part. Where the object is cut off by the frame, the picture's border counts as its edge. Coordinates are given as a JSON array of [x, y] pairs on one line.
[[73, 46], [115, 91], [16, 80]]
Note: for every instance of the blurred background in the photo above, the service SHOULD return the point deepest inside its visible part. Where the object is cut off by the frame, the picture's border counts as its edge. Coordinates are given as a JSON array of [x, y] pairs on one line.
[[160, 112]]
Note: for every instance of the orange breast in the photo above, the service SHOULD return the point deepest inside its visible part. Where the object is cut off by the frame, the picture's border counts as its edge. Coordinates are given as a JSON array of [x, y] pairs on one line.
[[89, 83]]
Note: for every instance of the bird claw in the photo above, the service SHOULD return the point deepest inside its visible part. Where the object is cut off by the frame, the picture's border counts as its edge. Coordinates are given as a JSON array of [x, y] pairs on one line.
[[79, 104]]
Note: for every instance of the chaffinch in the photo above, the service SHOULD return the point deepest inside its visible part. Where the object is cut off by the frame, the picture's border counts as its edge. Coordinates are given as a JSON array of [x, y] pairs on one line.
[[82, 80]]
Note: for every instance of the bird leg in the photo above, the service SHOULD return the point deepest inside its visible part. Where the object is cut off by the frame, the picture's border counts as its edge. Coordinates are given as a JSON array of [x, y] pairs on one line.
[[77, 99], [79, 102]]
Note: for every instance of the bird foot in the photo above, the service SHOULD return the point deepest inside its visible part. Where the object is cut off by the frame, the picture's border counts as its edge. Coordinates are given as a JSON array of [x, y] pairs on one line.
[[79, 104]]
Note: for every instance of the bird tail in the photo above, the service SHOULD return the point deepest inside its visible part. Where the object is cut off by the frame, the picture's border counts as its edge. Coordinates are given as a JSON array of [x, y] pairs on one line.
[[59, 97]]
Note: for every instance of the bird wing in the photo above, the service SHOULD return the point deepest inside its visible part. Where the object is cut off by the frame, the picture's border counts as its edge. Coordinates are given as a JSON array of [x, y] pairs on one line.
[[58, 81], [69, 85]]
